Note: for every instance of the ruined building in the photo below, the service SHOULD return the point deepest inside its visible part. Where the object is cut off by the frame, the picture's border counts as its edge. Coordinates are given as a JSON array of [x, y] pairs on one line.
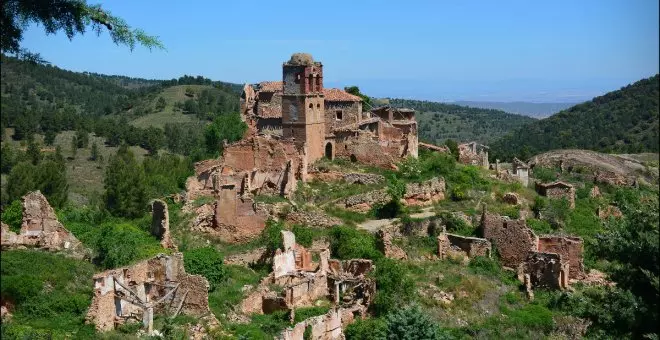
[[558, 190], [473, 153], [327, 122]]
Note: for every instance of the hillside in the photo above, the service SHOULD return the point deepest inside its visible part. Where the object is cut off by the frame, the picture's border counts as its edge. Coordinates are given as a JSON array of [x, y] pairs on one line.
[[624, 121], [440, 121], [534, 110]]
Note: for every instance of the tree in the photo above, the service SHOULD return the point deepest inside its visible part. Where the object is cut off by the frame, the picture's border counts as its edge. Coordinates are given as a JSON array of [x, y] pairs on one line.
[[453, 147], [160, 104], [74, 146], [51, 181], [125, 190], [33, 151], [71, 16], [207, 262], [411, 324], [227, 127], [20, 180], [82, 139], [49, 137], [95, 152]]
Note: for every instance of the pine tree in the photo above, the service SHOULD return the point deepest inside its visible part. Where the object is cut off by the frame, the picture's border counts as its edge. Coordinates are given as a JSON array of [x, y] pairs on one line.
[[20, 180], [33, 151], [125, 189], [51, 181], [74, 147], [49, 137], [95, 152]]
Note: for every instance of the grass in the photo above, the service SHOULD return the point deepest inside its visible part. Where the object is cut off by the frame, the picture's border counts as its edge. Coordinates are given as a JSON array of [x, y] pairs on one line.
[[171, 95], [230, 293]]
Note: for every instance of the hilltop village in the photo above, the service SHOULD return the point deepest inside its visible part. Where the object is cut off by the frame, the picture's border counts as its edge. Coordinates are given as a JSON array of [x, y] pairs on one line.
[[303, 145]]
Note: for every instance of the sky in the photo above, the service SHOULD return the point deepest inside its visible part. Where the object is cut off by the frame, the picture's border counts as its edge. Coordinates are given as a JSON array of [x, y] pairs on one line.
[[539, 51]]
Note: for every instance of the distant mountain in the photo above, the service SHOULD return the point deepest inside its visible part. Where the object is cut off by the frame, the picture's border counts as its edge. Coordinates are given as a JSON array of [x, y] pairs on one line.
[[624, 121], [535, 110], [439, 121]]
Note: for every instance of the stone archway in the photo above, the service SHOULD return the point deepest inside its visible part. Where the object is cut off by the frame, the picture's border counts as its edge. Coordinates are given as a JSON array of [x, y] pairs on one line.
[[329, 154]]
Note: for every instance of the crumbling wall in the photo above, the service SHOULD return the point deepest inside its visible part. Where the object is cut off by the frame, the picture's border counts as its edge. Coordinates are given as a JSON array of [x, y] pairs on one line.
[[160, 224], [323, 327], [425, 193], [512, 238], [570, 249], [547, 270], [350, 113], [364, 202], [473, 154], [41, 229], [365, 147], [557, 190], [450, 244], [384, 243], [159, 284]]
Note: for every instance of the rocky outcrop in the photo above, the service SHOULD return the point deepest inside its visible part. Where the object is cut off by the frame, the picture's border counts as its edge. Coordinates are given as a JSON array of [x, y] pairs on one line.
[[40, 229], [364, 202], [363, 178], [510, 198], [313, 218]]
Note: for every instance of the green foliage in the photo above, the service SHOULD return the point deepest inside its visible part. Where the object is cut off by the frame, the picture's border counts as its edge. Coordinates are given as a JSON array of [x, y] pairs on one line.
[[395, 286], [540, 227], [456, 225], [305, 313], [50, 294], [492, 268], [71, 17], [10, 157], [207, 262], [125, 189], [264, 326], [160, 104], [367, 329], [225, 128], [544, 174], [453, 147], [354, 90], [349, 243], [33, 152], [48, 176], [82, 139], [166, 174], [94, 153], [304, 235], [623, 121], [271, 236], [119, 244], [13, 216], [411, 323], [396, 188], [230, 293]]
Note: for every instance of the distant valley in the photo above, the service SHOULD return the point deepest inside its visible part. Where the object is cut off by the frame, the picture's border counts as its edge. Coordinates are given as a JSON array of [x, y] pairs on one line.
[[534, 110]]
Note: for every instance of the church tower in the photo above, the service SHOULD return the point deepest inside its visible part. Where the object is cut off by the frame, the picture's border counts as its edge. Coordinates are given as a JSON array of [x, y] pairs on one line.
[[303, 109]]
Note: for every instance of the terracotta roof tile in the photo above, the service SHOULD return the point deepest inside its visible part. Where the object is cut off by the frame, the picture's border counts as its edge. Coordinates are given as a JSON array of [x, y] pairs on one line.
[[271, 86], [337, 95]]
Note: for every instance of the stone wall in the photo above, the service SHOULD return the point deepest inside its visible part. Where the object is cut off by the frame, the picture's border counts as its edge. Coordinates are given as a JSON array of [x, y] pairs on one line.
[[545, 270], [450, 244], [323, 327], [40, 229], [350, 114], [425, 193], [127, 293], [385, 245], [512, 238], [160, 224], [557, 190], [570, 249]]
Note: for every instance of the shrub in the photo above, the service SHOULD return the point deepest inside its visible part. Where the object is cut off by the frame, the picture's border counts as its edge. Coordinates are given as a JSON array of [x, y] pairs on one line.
[[304, 235], [411, 323], [271, 236], [123, 243], [539, 226], [13, 216], [350, 243], [367, 329], [395, 286], [305, 313], [456, 225], [207, 262], [544, 174]]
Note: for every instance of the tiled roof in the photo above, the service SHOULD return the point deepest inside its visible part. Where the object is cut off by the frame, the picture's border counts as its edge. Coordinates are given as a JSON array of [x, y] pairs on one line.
[[271, 86], [337, 95]]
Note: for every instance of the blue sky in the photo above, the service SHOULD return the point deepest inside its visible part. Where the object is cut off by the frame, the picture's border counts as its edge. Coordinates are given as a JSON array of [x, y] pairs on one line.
[[546, 51]]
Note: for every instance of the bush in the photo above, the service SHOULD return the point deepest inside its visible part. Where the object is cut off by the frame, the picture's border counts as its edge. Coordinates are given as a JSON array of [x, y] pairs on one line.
[[544, 174], [411, 323], [349, 243], [540, 227], [271, 236], [207, 262], [304, 235], [456, 225], [395, 286], [13, 216], [366, 329], [119, 244]]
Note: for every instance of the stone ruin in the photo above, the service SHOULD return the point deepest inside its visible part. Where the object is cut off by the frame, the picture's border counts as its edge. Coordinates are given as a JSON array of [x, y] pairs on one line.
[[558, 190], [416, 194], [303, 282], [545, 261], [40, 229], [389, 249], [160, 224], [473, 153], [135, 293], [451, 245]]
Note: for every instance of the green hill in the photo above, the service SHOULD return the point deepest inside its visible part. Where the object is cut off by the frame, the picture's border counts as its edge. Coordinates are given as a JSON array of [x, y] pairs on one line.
[[623, 121], [440, 121]]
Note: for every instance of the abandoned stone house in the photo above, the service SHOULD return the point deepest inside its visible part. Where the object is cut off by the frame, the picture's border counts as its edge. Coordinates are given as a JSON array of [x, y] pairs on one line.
[[473, 153], [557, 190], [520, 171]]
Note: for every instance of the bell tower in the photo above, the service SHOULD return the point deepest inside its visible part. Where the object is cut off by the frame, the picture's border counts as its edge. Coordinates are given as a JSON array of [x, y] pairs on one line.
[[303, 109]]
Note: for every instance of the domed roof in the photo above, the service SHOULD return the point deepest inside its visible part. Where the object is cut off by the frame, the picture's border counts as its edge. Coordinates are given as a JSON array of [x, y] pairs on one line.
[[301, 59]]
